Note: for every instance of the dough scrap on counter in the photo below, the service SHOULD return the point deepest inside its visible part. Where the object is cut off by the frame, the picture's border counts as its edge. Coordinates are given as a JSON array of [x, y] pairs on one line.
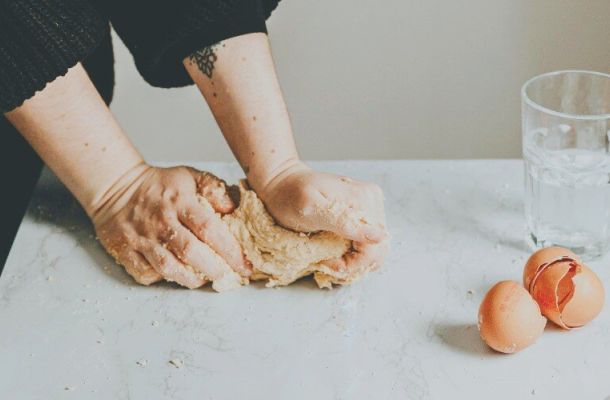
[[281, 256]]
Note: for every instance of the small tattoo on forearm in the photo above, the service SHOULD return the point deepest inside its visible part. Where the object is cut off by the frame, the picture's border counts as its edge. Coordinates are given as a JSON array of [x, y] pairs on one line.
[[205, 59]]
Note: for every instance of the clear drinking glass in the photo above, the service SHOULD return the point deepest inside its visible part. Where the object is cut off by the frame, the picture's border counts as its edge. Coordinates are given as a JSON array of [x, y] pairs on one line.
[[566, 122]]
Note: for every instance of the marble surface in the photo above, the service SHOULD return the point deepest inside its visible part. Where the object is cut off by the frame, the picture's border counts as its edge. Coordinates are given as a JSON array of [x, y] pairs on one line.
[[74, 325]]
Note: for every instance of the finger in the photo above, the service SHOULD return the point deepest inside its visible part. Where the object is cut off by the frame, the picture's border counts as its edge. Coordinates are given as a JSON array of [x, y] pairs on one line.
[[136, 265], [207, 226], [367, 213], [369, 256], [214, 190], [355, 228], [363, 258], [192, 251], [367, 232], [166, 264]]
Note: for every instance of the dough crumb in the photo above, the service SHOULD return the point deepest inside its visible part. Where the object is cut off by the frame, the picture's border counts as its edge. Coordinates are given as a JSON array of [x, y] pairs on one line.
[[69, 388], [142, 363], [155, 323], [176, 362]]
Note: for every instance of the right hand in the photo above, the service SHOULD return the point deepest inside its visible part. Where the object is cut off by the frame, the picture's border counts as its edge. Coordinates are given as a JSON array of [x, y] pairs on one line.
[[302, 199], [154, 225]]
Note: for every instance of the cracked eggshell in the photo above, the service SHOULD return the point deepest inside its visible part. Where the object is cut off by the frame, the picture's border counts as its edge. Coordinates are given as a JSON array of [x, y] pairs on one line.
[[587, 301], [509, 318], [552, 288], [569, 293], [543, 258]]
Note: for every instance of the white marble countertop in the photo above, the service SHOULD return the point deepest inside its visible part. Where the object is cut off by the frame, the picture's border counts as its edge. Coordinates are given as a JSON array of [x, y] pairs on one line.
[[74, 325]]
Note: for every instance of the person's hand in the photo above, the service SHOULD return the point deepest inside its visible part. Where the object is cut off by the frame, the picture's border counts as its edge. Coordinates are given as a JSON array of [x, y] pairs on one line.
[[304, 200], [154, 225]]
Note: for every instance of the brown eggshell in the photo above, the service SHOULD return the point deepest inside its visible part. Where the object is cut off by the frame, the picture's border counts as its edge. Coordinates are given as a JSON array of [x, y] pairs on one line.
[[545, 290], [569, 294], [541, 259], [586, 301], [509, 318]]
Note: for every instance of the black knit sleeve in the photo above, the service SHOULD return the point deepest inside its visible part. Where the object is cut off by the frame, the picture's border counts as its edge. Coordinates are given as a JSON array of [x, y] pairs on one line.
[[160, 34], [40, 40]]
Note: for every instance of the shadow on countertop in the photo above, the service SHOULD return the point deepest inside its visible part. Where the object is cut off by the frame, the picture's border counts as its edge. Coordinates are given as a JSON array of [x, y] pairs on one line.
[[463, 338]]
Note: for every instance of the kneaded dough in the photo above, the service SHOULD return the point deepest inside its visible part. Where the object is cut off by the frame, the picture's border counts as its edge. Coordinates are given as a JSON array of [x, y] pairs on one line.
[[281, 256]]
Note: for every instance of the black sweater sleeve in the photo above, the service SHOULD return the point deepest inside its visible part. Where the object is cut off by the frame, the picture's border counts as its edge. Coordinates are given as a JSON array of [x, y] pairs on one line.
[[40, 40], [159, 34]]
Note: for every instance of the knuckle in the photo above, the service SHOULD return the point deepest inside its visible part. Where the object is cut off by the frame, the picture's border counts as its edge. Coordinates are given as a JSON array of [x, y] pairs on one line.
[[203, 223], [181, 170], [165, 214], [167, 234], [142, 245], [183, 177], [185, 249], [185, 215], [161, 261], [206, 178], [170, 195]]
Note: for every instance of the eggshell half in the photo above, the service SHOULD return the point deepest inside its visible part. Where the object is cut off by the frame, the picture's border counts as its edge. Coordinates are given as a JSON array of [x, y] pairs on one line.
[[546, 290], [509, 318], [587, 301], [569, 294], [543, 258]]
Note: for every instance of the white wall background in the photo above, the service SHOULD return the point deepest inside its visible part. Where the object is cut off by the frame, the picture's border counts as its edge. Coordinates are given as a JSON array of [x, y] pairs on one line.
[[387, 79]]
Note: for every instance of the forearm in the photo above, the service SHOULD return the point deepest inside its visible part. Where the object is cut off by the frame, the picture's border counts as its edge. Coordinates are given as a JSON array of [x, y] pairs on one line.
[[76, 135], [237, 78]]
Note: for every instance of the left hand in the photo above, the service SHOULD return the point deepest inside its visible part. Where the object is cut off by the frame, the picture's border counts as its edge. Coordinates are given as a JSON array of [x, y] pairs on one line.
[[305, 200], [154, 225]]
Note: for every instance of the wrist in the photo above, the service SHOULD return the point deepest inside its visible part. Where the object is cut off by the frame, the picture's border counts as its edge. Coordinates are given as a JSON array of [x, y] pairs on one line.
[[267, 182], [260, 174], [113, 196]]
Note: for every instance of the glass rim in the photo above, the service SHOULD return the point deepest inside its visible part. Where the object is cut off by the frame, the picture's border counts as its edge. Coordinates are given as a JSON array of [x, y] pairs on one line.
[[525, 98]]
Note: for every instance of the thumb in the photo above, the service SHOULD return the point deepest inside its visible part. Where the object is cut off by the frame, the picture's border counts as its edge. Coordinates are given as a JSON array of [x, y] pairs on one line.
[[359, 231], [348, 223]]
